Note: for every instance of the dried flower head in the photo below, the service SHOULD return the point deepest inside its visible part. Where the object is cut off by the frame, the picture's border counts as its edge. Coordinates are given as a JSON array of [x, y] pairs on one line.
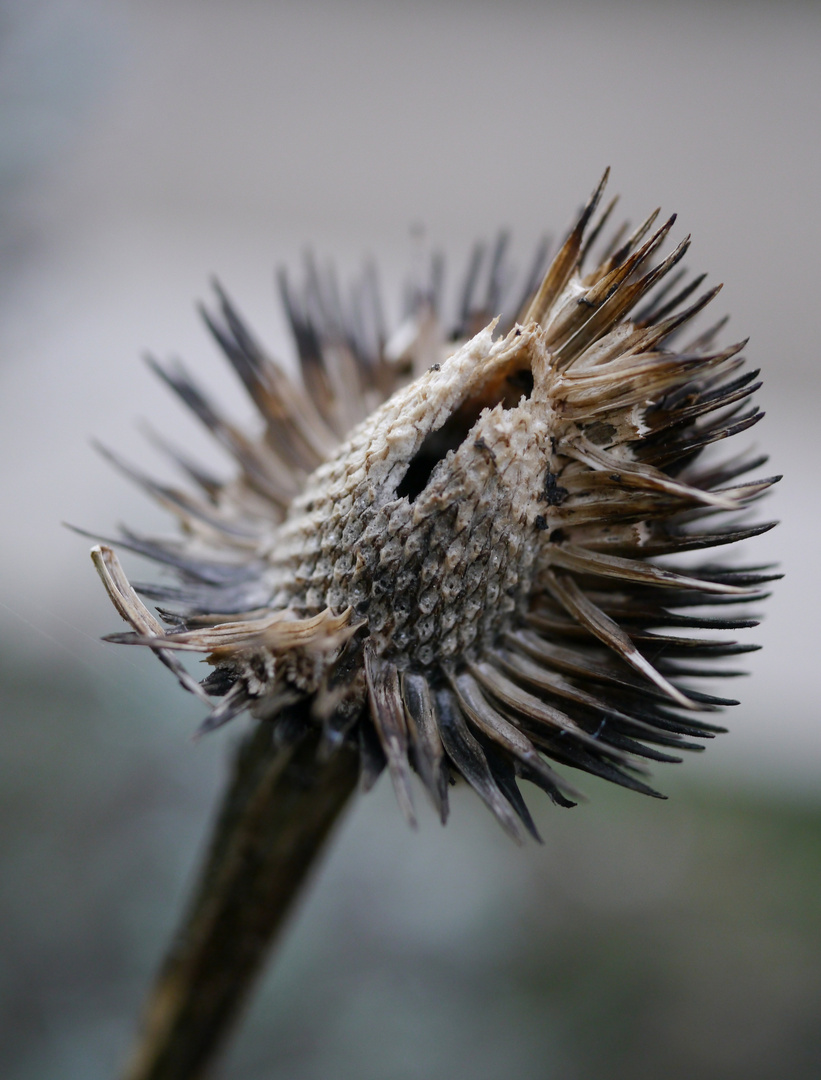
[[448, 541]]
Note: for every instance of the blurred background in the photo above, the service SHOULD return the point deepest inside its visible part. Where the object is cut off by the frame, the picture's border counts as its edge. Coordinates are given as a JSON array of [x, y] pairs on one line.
[[147, 146]]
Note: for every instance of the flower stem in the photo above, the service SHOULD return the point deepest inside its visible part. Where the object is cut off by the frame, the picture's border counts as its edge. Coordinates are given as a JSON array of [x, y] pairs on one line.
[[280, 806]]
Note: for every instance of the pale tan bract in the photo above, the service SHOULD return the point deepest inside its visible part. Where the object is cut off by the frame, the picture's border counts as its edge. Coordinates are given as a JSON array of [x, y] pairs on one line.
[[464, 578]]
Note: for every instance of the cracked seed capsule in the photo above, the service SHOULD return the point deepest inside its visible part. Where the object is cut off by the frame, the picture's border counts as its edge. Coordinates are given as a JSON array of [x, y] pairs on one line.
[[452, 537]]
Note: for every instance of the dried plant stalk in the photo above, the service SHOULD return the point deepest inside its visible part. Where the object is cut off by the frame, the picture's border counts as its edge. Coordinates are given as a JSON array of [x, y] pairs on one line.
[[276, 815], [448, 549]]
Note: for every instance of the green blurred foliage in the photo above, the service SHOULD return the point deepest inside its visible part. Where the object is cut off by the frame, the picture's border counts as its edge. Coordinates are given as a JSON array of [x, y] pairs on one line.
[[678, 939]]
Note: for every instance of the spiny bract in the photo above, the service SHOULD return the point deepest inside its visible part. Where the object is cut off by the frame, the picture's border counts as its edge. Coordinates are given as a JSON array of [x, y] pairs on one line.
[[448, 542]]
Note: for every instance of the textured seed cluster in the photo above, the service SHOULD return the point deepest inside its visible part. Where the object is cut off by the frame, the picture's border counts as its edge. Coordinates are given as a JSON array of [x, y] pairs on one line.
[[442, 574], [464, 580]]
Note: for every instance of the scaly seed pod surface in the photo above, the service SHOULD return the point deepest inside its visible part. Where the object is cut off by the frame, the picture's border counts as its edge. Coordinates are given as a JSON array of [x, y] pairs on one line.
[[453, 541]]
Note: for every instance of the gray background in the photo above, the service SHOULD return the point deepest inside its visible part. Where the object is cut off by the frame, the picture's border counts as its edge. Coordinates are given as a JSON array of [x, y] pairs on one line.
[[146, 146]]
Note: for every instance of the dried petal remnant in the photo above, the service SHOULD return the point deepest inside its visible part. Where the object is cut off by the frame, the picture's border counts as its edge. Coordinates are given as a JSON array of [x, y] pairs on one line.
[[459, 568]]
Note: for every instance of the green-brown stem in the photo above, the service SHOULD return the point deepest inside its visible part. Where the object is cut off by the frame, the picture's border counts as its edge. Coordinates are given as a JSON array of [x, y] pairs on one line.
[[279, 808]]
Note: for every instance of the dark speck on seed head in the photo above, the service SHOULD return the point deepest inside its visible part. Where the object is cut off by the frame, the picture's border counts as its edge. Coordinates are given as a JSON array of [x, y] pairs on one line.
[[554, 493]]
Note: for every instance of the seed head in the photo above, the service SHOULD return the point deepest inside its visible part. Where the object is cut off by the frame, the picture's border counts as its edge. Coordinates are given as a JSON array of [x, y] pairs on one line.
[[448, 541]]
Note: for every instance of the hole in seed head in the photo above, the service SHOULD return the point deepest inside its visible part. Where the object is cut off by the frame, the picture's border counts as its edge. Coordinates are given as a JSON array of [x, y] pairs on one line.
[[453, 433]]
